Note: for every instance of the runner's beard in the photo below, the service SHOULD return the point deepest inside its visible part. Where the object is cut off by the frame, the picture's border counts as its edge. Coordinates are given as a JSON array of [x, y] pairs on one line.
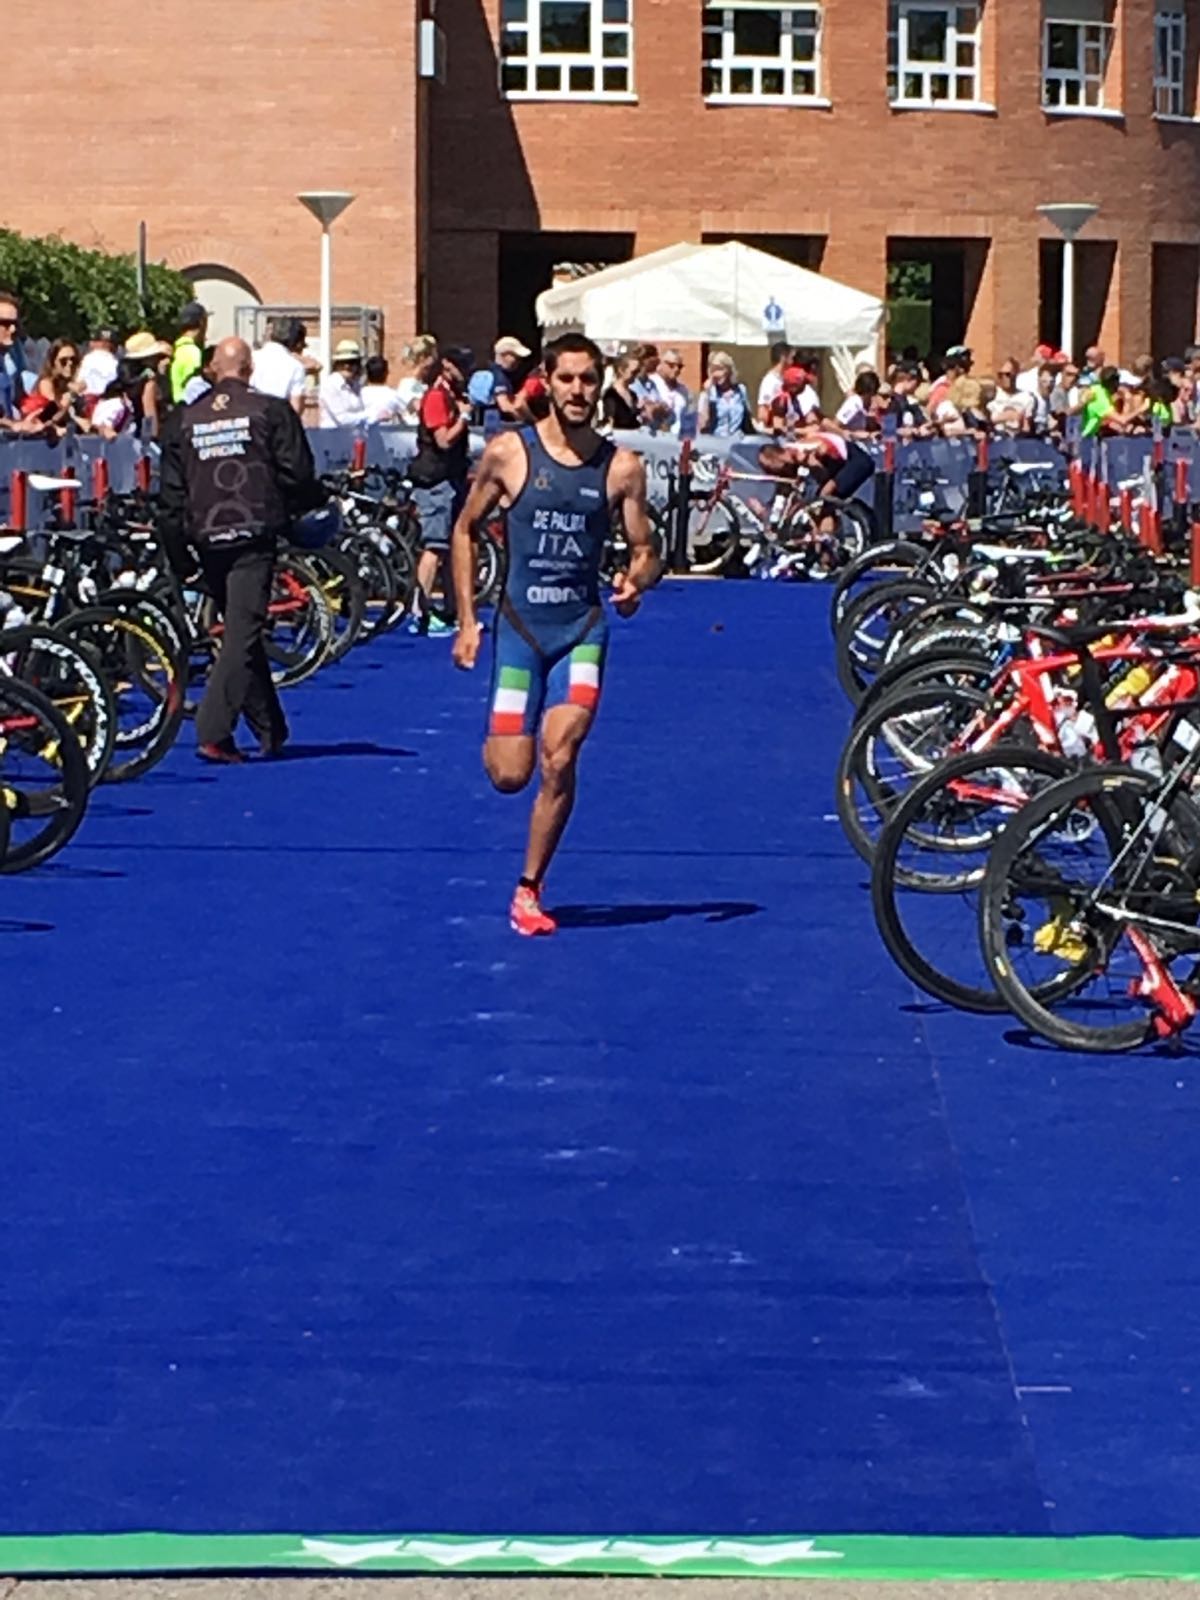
[[568, 423]]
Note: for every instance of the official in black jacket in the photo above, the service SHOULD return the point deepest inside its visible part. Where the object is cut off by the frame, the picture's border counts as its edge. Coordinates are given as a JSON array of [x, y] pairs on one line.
[[237, 471]]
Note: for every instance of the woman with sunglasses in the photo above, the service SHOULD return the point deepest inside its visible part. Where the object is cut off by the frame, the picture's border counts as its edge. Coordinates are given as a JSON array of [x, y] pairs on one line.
[[54, 396]]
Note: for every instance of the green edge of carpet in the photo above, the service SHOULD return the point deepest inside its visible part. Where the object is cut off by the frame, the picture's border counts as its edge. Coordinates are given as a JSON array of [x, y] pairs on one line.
[[859, 1556]]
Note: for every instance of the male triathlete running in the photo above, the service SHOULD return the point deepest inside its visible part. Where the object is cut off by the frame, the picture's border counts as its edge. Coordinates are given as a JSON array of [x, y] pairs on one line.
[[562, 485]]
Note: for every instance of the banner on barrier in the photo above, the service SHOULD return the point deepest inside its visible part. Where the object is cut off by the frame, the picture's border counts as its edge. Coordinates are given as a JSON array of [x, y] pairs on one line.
[[930, 474]]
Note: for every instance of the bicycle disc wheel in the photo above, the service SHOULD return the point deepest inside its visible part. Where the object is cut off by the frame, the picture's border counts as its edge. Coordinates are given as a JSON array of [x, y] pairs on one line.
[[930, 861], [1093, 884]]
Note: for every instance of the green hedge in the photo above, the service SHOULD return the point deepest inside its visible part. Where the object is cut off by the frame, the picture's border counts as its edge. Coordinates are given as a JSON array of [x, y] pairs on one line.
[[66, 292]]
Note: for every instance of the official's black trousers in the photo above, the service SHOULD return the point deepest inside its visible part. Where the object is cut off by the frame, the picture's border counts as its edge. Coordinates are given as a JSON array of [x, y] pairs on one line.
[[239, 685]]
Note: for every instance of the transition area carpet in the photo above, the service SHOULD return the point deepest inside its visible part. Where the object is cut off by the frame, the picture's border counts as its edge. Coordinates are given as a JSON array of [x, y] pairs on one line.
[[345, 1228]]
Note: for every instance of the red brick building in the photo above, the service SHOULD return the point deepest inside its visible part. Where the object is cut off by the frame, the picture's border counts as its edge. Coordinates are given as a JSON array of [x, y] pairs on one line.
[[847, 135]]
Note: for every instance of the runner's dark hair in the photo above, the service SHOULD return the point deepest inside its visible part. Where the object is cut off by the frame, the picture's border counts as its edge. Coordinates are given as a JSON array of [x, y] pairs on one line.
[[573, 344]]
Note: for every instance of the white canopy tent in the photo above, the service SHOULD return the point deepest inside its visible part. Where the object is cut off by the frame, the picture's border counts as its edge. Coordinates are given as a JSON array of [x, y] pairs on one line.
[[718, 294]]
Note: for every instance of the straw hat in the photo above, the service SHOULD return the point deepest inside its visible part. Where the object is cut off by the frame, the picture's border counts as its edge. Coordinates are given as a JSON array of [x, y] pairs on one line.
[[144, 347]]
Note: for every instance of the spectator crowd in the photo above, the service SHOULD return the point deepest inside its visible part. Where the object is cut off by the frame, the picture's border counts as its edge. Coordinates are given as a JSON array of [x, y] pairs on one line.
[[109, 385]]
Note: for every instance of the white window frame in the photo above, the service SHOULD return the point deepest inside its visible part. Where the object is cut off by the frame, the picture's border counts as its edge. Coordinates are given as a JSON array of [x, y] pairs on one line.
[[901, 68], [515, 34], [719, 20], [1094, 34], [1170, 38]]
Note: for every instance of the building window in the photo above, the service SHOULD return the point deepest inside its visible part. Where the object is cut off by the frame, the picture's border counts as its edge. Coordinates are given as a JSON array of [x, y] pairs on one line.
[[1076, 62], [759, 50], [1170, 63], [566, 49], [933, 54]]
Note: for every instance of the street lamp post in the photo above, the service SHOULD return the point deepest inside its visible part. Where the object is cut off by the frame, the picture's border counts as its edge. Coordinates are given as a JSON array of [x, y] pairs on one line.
[[1069, 220], [327, 206]]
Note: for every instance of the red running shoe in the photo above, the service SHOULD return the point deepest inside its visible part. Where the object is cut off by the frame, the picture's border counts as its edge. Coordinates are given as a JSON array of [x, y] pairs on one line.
[[526, 916]]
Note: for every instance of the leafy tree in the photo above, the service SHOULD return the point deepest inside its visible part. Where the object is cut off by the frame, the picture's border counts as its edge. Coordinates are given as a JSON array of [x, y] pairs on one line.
[[910, 280], [66, 291]]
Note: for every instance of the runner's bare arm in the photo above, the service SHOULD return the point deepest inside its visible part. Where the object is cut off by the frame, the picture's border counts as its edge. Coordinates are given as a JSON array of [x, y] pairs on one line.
[[627, 477], [491, 486]]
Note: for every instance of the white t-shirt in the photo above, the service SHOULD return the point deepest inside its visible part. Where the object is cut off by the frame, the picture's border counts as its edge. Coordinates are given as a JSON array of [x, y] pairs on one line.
[[382, 403], [678, 397], [97, 370], [1027, 381], [769, 388], [277, 371], [409, 392], [341, 402], [852, 414], [116, 414], [1020, 404]]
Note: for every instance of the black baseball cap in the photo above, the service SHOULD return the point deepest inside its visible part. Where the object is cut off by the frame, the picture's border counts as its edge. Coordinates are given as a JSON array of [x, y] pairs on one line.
[[460, 356], [192, 314], [1174, 364]]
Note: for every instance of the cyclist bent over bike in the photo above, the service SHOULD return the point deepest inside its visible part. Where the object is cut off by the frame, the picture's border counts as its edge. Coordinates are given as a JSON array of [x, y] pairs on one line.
[[562, 485]]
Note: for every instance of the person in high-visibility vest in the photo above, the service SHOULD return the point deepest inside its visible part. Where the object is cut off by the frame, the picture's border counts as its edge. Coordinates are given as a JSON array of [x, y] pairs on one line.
[[187, 355]]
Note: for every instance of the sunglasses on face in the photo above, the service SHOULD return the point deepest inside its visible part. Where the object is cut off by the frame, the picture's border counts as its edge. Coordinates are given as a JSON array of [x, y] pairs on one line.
[[8, 322], [68, 361]]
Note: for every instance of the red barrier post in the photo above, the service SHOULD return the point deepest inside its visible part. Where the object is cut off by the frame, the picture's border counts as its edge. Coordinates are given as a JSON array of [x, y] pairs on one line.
[[1077, 479], [1126, 510], [977, 481], [1196, 555], [1101, 518], [67, 499], [100, 483], [18, 504], [358, 457], [1150, 528], [1180, 499], [683, 508], [142, 474]]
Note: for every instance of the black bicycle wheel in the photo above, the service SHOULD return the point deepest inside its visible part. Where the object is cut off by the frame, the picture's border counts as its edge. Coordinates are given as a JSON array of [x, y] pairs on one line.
[[881, 563], [904, 738], [951, 668], [930, 861], [68, 673], [43, 776], [378, 582], [863, 635], [146, 684], [1095, 883], [299, 628], [346, 594]]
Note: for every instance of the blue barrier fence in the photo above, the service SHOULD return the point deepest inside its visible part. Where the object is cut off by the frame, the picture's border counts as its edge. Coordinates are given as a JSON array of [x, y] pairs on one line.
[[943, 467]]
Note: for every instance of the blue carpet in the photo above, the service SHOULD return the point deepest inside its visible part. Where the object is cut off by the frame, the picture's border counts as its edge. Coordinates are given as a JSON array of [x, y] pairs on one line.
[[331, 1205]]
